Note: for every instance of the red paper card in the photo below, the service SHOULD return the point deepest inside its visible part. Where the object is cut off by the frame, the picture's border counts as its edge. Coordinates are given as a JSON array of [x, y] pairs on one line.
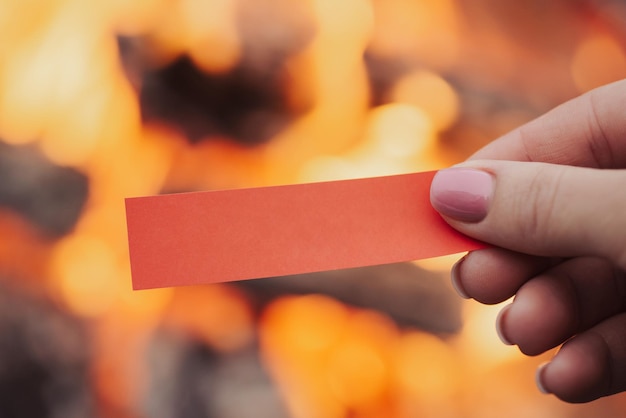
[[220, 236]]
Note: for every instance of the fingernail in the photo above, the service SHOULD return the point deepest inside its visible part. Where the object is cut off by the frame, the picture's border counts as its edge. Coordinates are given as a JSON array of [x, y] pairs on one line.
[[539, 379], [499, 321], [462, 194], [456, 279]]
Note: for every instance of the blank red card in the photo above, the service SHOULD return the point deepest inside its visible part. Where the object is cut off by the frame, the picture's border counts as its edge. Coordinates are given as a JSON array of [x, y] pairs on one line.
[[220, 236]]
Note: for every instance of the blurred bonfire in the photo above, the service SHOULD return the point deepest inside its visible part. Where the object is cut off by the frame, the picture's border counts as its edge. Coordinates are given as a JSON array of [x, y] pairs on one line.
[[104, 100]]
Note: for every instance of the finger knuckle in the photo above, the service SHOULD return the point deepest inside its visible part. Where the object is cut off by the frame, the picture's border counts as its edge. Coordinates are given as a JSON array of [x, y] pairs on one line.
[[536, 209]]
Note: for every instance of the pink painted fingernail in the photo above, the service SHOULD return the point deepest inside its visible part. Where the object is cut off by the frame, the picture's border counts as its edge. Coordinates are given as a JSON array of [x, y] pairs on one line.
[[499, 325], [456, 279], [539, 379], [462, 194]]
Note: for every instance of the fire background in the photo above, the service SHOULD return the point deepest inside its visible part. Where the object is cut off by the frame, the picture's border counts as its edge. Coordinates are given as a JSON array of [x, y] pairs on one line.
[[103, 100]]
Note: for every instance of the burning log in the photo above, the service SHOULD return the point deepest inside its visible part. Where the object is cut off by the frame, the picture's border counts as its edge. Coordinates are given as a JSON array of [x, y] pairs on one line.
[[49, 196], [189, 379], [411, 296], [247, 100], [240, 104], [44, 359]]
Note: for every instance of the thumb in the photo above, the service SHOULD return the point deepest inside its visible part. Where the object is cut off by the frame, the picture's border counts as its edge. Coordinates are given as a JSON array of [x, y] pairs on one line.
[[536, 208]]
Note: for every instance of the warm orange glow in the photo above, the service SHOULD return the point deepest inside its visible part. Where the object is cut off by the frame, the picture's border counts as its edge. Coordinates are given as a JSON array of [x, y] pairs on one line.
[[216, 314], [427, 367], [138, 16], [357, 366], [313, 323], [334, 355], [342, 33], [296, 334], [375, 88], [106, 116], [24, 253], [357, 374], [212, 35], [328, 168], [55, 68], [84, 268], [442, 264], [479, 338], [141, 165], [399, 131], [144, 308], [398, 138], [430, 93], [205, 29], [599, 60], [335, 60], [426, 29], [215, 164], [119, 365]]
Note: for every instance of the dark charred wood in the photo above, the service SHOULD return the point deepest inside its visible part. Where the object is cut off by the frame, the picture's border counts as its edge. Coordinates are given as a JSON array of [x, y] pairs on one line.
[[411, 296], [44, 359], [49, 196], [191, 380]]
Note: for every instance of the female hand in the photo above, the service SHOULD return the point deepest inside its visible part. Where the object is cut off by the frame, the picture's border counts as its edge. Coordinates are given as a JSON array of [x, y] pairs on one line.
[[551, 197]]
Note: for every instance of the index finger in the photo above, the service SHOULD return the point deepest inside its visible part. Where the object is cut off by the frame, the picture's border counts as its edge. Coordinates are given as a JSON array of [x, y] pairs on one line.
[[587, 131]]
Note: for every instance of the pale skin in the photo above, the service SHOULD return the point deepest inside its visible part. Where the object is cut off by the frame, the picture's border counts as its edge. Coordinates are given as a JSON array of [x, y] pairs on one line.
[[556, 218]]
